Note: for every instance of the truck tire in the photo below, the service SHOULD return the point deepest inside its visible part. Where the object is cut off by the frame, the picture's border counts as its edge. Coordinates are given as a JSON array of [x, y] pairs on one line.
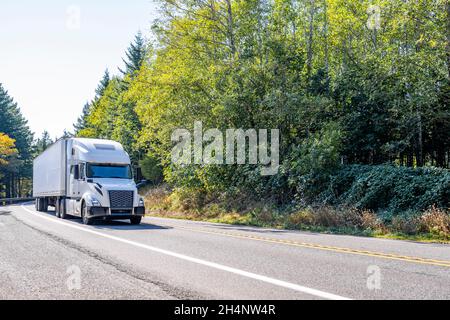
[[136, 221], [40, 204], [84, 216], [62, 209], [43, 204], [36, 204]]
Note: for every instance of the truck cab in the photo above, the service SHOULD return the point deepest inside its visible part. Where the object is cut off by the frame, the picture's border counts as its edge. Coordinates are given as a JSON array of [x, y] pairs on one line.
[[98, 182]]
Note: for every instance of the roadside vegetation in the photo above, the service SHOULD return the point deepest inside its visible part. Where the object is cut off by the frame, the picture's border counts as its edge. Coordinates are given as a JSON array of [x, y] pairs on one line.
[[16, 150], [360, 91], [378, 201]]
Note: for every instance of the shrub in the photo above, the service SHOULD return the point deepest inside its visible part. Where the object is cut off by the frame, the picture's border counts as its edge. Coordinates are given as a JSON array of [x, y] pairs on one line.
[[184, 199], [300, 219], [157, 198], [406, 224], [328, 217], [370, 221], [388, 188], [435, 221]]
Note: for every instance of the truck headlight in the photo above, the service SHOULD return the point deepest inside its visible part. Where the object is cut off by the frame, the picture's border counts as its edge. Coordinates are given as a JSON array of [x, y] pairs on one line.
[[141, 202], [95, 203]]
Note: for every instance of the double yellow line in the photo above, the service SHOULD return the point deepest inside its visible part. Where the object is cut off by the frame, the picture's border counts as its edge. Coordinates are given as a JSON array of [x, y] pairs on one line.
[[381, 255]]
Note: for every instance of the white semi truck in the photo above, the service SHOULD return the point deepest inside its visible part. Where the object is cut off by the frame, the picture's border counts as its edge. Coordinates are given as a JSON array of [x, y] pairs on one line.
[[88, 178]]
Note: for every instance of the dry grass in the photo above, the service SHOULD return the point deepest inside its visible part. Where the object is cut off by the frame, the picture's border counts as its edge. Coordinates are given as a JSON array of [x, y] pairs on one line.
[[405, 225], [435, 221], [432, 225], [330, 217], [157, 198]]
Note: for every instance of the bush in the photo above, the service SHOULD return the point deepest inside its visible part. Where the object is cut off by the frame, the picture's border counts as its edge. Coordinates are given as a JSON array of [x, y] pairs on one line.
[[299, 219], [406, 224], [388, 188], [435, 221], [184, 199], [330, 217]]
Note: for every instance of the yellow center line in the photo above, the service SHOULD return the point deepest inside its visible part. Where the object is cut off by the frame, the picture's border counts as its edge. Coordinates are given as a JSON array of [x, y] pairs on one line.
[[382, 255]]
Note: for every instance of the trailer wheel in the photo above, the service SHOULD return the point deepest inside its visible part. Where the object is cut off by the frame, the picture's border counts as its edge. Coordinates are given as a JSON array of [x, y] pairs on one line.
[[84, 215], [36, 204]]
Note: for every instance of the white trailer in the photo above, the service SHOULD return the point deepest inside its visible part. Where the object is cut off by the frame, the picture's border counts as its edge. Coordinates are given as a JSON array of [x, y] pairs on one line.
[[88, 178], [49, 172]]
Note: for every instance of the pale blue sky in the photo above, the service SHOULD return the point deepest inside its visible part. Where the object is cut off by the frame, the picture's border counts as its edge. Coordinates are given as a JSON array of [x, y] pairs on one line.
[[51, 62]]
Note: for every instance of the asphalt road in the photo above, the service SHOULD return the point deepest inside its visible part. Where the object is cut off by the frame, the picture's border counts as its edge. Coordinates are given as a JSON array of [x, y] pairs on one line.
[[42, 257]]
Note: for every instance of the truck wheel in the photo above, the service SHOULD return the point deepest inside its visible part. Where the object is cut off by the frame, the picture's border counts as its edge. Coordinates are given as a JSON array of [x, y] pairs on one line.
[[62, 209], [36, 204], [40, 204], [44, 204], [84, 216], [136, 220]]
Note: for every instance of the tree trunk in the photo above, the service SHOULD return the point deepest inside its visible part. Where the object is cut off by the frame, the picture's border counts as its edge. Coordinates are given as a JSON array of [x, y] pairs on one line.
[[419, 155], [448, 37], [231, 29], [310, 39], [327, 53]]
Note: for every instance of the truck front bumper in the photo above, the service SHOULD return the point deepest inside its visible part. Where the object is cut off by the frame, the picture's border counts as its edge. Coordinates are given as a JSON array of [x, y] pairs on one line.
[[107, 213]]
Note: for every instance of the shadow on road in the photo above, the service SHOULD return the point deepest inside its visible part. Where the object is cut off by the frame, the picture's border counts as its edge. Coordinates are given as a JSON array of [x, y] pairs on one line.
[[114, 224], [122, 225], [5, 213]]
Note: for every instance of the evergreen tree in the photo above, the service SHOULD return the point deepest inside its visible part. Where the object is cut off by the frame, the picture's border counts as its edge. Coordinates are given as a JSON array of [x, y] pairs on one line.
[[103, 84], [66, 135], [13, 124], [135, 56], [43, 143], [82, 121]]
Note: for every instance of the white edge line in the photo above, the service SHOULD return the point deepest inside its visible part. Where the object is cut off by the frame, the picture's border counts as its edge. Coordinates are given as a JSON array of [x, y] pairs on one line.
[[276, 282]]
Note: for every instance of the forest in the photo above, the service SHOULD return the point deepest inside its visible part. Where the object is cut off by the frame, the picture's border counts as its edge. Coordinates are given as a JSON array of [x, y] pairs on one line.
[[360, 91]]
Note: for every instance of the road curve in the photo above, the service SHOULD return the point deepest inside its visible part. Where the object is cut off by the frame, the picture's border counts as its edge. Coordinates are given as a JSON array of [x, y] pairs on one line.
[[47, 258]]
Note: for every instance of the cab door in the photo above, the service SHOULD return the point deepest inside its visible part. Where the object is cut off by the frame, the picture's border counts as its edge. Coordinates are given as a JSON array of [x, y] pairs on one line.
[[73, 189]]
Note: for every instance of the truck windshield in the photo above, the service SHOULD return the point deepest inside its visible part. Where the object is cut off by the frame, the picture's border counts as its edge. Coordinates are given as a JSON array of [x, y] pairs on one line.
[[108, 171]]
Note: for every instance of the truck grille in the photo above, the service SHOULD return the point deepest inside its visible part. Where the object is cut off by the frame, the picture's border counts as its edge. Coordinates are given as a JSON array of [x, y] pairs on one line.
[[121, 199]]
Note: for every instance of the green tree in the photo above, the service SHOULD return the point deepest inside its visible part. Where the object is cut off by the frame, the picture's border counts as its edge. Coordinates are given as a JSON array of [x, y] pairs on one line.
[[353, 82], [135, 56], [103, 84], [82, 121], [43, 143], [13, 124]]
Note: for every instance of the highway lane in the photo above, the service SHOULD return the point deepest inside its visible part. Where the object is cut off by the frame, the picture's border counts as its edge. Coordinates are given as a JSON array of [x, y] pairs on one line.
[[175, 259]]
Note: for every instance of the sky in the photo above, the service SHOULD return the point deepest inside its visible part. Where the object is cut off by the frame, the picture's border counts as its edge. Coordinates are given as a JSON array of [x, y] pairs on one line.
[[53, 53]]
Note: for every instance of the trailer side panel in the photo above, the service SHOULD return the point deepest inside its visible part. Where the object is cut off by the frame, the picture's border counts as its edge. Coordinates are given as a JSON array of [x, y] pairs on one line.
[[49, 172]]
